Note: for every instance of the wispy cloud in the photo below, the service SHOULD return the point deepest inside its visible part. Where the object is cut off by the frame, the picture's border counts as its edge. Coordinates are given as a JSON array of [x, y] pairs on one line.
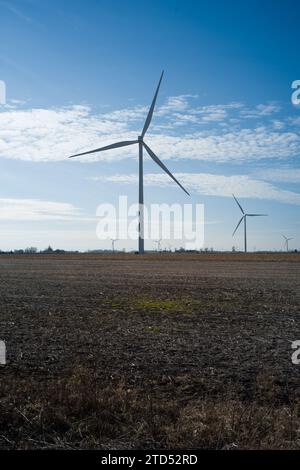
[[283, 175], [217, 112], [176, 104], [214, 185], [295, 121], [261, 110], [53, 134], [238, 146], [15, 11], [36, 210]]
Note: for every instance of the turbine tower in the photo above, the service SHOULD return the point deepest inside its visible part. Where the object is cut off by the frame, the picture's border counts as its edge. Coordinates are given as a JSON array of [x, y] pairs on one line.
[[142, 145], [244, 218], [286, 242]]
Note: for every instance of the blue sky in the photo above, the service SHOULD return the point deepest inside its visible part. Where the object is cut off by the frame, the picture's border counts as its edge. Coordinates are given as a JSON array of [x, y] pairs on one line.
[[80, 74]]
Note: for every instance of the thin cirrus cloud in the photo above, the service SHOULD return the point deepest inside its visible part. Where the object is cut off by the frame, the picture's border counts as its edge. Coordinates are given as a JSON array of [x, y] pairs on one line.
[[15, 11], [283, 175], [181, 130], [37, 210], [208, 184], [260, 110]]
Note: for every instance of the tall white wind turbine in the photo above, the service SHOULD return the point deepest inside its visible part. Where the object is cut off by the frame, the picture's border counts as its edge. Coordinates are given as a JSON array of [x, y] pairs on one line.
[[286, 242], [244, 218], [142, 145]]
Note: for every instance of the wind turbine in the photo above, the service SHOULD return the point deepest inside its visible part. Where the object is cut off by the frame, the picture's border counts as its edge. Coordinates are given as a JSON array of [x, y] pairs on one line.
[[286, 243], [113, 240], [142, 145], [158, 244], [244, 218]]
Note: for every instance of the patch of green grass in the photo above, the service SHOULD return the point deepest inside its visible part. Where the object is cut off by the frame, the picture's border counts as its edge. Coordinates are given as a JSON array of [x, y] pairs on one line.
[[113, 303], [152, 329], [148, 303], [166, 305]]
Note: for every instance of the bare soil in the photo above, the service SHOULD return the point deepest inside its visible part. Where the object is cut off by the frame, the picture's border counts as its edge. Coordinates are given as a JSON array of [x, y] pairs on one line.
[[155, 351]]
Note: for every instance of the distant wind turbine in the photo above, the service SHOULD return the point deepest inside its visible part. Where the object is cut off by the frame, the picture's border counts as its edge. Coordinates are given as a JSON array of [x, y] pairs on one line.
[[142, 145], [113, 241], [286, 242], [244, 218], [158, 244]]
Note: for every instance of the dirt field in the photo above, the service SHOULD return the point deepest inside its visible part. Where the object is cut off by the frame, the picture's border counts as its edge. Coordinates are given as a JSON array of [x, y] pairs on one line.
[[154, 351]]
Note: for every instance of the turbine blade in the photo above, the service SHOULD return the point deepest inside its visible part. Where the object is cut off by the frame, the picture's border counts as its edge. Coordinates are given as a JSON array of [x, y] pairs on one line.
[[150, 112], [108, 147], [238, 225], [238, 204], [256, 215], [160, 163]]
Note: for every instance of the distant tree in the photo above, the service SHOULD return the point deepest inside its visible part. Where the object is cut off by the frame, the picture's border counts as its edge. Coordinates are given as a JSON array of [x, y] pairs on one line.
[[31, 250]]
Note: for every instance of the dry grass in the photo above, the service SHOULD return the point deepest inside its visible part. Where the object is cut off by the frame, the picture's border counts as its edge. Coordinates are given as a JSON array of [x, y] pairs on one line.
[[81, 412]]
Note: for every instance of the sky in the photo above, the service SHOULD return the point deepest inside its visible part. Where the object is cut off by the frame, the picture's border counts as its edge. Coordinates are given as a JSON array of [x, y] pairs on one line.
[[82, 74]]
